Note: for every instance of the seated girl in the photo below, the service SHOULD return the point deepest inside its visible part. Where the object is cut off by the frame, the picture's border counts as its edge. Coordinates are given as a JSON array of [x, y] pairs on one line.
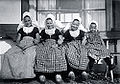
[[96, 48], [50, 58], [76, 53], [19, 61]]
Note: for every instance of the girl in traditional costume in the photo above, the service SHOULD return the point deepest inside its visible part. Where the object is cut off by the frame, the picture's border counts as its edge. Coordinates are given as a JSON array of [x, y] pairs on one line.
[[75, 52], [96, 48], [19, 60], [50, 58]]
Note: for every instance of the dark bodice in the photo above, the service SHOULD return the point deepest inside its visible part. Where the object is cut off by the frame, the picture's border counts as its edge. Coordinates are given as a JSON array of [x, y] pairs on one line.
[[69, 38], [32, 34], [45, 36]]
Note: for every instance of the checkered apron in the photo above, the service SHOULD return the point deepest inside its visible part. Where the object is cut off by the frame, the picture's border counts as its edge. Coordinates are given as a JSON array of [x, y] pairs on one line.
[[50, 59], [77, 55]]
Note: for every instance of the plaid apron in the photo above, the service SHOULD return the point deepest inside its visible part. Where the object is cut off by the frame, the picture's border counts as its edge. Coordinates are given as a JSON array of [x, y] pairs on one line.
[[50, 59]]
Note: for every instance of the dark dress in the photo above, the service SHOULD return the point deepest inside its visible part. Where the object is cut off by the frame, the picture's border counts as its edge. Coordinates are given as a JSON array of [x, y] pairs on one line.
[[32, 34], [50, 59], [69, 38], [76, 53]]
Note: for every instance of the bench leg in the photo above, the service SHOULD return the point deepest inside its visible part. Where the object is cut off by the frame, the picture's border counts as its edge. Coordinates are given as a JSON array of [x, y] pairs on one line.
[[106, 73], [111, 74]]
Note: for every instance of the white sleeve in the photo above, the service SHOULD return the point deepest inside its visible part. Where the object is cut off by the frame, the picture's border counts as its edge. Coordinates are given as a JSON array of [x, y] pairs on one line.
[[81, 27], [66, 27], [35, 23], [59, 24], [20, 26]]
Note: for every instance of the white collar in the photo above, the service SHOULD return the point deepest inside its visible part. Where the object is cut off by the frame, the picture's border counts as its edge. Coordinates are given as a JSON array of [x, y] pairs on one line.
[[74, 33], [50, 31], [28, 29]]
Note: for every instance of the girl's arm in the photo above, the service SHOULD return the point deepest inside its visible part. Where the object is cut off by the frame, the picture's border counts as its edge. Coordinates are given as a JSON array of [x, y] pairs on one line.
[[18, 41], [102, 41], [37, 39], [60, 40], [18, 38], [84, 39]]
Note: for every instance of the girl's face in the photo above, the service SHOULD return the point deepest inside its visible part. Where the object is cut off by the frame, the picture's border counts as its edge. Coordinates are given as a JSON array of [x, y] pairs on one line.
[[92, 27], [75, 25], [27, 21], [49, 24]]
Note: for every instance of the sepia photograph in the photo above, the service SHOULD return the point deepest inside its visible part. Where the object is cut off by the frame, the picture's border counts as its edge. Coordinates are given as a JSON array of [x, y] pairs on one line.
[[59, 42]]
